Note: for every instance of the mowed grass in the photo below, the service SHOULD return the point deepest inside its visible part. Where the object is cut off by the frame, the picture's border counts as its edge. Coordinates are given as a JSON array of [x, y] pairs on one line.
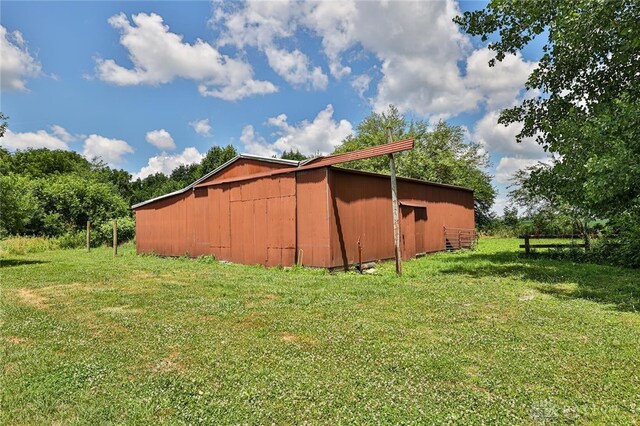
[[484, 336]]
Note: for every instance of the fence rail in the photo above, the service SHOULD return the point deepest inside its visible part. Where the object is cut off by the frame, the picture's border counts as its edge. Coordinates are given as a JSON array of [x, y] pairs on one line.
[[459, 238], [527, 246]]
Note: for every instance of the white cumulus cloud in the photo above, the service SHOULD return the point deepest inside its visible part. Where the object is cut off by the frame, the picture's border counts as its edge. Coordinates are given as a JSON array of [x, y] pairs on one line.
[[499, 139], [255, 144], [161, 139], [261, 24], [166, 163], [16, 63], [426, 64], [160, 56], [319, 136], [56, 139], [201, 127], [295, 69], [109, 150]]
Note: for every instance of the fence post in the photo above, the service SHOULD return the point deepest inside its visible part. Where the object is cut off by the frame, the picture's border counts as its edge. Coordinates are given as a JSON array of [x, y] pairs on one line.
[[115, 238], [527, 248], [88, 235]]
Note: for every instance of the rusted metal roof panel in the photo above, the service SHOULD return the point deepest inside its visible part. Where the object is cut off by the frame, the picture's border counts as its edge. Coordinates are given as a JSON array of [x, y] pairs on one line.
[[361, 154]]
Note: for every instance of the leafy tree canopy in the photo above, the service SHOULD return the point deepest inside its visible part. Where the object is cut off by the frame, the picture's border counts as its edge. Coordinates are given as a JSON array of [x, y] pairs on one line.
[[293, 155], [441, 154], [585, 103], [587, 110]]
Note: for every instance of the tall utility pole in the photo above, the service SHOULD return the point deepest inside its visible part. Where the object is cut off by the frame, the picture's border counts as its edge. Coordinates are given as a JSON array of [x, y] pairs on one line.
[[394, 207]]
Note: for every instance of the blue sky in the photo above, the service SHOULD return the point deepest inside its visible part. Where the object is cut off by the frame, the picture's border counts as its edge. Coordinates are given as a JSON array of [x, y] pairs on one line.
[[150, 85]]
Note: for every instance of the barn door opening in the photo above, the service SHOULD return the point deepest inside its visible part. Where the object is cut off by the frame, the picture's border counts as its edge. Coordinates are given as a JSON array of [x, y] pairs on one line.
[[420, 214], [408, 231], [414, 225]]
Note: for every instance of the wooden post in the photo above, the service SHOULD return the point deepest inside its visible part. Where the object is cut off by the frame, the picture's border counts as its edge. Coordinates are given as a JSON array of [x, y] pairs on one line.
[[527, 247], [394, 207], [115, 237], [88, 235]]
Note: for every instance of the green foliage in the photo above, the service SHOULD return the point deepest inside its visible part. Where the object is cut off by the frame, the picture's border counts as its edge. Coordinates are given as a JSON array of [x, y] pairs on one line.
[[3, 124], [510, 216], [38, 163], [103, 233], [25, 245], [54, 193], [216, 157], [585, 107], [293, 155], [72, 240], [17, 203], [68, 201], [441, 154]]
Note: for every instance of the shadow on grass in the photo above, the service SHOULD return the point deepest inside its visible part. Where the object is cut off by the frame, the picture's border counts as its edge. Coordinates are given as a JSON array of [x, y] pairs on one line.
[[6, 263], [600, 283]]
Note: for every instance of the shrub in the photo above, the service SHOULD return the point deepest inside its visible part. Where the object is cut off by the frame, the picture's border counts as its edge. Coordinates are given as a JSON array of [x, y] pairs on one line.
[[103, 233], [24, 245], [72, 240]]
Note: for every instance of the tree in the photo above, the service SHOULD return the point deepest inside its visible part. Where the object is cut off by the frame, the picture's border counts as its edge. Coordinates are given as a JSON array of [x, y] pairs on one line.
[[510, 216], [441, 154], [585, 97], [17, 204], [216, 157], [67, 201], [3, 124], [293, 155]]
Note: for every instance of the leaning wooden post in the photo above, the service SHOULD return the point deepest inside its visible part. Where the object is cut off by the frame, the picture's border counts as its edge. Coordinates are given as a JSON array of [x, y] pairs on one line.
[[527, 247], [115, 237], [394, 207], [88, 235]]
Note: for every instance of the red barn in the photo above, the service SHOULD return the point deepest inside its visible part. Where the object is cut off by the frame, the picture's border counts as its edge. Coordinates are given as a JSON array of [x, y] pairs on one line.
[[268, 211]]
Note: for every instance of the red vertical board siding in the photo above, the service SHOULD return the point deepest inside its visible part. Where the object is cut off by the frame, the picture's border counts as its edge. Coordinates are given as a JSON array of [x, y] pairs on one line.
[[318, 213], [361, 208], [313, 217]]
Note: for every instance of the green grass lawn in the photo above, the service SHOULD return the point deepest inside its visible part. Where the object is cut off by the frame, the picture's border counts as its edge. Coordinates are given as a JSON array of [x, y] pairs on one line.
[[485, 336]]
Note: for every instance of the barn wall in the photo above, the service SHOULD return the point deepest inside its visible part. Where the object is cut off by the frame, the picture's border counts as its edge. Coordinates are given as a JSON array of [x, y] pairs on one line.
[[313, 217], [262, 221], [321, 212], [161, 227], [245, 167], [361, 208]]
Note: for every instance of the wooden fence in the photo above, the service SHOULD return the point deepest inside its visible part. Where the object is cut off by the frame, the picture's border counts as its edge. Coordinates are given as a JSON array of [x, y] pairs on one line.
[[527, 246]]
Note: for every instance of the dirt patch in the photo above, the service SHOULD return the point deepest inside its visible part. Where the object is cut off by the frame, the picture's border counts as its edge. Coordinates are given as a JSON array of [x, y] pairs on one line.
[[289, 338], [262, 299], [122, 310], [11, 368], [298, 340], [16, 340], [168, 364], [31, 298], [270, 297]]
